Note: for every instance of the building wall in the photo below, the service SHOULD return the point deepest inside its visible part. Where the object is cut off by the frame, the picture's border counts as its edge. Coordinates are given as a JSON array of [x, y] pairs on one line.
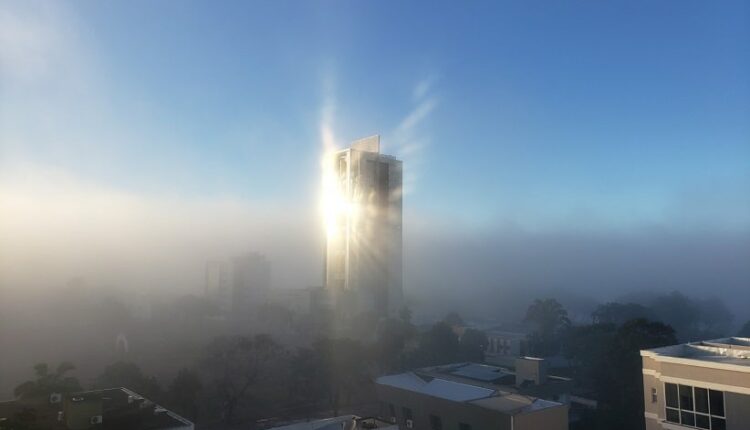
[[555, 418], [734, 383]]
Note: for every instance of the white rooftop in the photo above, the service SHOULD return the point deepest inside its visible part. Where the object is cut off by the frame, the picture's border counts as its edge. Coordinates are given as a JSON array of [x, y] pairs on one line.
[[436, 387]]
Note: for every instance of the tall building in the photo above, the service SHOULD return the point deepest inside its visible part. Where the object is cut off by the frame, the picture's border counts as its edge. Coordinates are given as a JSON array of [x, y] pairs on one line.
[[218, 284], [703, 385], [251, 281], [363, 264]]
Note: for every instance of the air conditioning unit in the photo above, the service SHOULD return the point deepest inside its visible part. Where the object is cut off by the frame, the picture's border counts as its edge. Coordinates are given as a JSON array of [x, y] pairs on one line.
[[55, 398], [96, 419], [409, 424]]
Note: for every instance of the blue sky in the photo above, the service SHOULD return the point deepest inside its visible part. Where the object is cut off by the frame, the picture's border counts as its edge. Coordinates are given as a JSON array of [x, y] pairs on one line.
[[545, 115]]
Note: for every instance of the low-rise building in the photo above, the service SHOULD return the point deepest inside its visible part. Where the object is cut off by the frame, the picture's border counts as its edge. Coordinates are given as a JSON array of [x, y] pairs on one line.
[[108, 409], [344, 422], [468, 396], [703, 385]]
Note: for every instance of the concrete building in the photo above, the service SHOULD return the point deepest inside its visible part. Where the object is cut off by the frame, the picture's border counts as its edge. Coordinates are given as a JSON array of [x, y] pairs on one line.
[[703, 385], [468, 396], [251, 281], [363, 259], [345, 422], [114, 408], [219, 284], [239, 286], [504, 347]]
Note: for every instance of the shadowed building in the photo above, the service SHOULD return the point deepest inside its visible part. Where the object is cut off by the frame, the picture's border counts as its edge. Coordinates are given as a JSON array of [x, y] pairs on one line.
[[703, 385], [363, 259]]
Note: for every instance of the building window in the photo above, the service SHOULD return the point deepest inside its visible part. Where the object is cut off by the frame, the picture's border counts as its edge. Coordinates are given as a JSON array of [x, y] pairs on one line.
[[654, 397], [436, 423], [464, 426], [694, 406]]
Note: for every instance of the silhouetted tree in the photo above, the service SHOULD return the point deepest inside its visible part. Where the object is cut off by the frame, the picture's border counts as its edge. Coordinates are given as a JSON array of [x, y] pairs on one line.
[[473, 343], [237, 365], [619, 313], [183, 393], [392, 337], [344, 368], [453, 319], [745, 330], [47, 382], [439, 345], [550, 321]]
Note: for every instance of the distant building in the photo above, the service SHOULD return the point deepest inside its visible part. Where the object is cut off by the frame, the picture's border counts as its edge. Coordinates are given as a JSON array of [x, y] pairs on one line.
[[346, 422], [703, 385], [251, 281], [468, 396], [219, 284], [363, 265], [504, 347], [238, 286], [115, 408]]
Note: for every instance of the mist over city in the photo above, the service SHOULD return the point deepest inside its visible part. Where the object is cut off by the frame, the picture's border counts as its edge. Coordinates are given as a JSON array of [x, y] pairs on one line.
[[355, 215]]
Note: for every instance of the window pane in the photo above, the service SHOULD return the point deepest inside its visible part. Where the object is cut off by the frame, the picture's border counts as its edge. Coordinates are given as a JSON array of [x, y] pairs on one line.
[[686, 397], [671, 390], [688, 418], [718, 424], [717, 402], [701, 400], [673, 415], [701, 421]]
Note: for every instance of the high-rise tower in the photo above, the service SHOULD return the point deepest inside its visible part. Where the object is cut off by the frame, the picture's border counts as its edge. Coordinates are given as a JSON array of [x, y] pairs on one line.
[[363, 205]]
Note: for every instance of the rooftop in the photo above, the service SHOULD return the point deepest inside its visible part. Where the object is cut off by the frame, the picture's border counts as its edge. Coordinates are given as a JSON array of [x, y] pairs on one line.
[[731, 351], [486, 386], [347, 422], [119, 408]]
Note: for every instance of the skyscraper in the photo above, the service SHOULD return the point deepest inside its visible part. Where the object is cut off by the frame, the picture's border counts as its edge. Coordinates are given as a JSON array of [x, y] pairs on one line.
[[363, 209]]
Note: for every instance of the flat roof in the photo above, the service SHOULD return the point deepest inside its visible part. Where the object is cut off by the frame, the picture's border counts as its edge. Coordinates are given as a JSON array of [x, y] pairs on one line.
[[436, 387], [337, 423], [514, 404], [734, 351]]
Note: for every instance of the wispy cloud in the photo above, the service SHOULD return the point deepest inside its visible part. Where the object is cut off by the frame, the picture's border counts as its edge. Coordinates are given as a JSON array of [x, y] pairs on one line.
[[411, 138]]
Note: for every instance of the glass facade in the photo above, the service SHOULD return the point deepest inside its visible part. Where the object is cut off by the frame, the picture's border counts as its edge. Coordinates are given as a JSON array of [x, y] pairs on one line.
[[695, 406]]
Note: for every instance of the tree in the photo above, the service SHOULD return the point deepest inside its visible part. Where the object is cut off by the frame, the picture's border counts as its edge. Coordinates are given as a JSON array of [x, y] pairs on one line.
[[47, 383], [391, 339], [128, 375], [439, 345], [344, 366], [619, 313], [183, 393], [238, 365], [607, 359], [473, 343], [624, 392], [550, 320], [453, 319]]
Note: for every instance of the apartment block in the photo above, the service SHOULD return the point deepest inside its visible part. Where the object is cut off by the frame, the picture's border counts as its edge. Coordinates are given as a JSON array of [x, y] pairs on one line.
[[704, 385]]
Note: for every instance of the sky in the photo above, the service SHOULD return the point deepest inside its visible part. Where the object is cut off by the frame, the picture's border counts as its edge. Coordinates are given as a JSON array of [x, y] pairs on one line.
[[122, 120]]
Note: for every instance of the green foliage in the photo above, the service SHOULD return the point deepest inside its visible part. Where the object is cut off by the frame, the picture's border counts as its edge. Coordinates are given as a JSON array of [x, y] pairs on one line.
[[47, 382], [607, 359]]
